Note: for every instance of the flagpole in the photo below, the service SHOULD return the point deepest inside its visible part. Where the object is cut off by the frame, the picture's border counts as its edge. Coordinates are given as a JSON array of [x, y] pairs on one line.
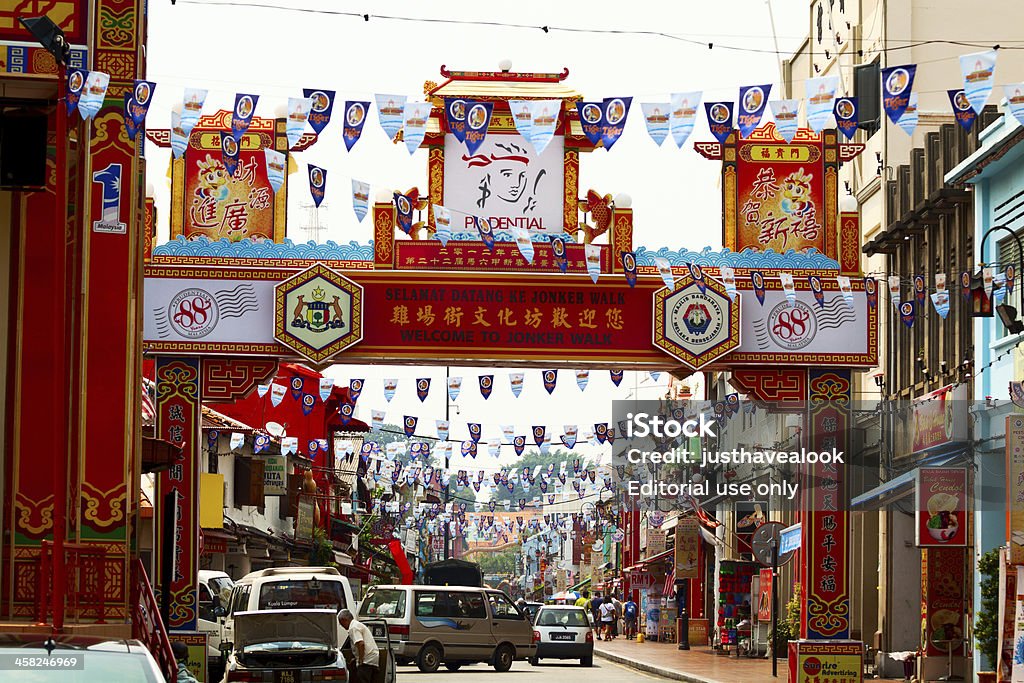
[[448, 486]]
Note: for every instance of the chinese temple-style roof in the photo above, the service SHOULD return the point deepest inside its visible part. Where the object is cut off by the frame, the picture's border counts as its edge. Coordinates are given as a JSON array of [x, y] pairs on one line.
[[504, 85]]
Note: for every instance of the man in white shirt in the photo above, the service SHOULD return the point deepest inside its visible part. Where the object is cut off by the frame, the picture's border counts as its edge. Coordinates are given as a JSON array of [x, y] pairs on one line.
[[364, 647]]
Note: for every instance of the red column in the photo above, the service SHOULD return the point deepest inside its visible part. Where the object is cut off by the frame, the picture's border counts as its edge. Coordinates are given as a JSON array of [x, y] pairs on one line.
[[826, 598]]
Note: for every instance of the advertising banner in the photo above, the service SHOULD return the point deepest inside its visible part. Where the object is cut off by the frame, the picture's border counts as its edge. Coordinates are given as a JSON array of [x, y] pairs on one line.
[[197, 654], [764, 596], [943, 601], [835, 661], [940, 496], [505, 182], [1015, 487], [656, 542], [686, 548]]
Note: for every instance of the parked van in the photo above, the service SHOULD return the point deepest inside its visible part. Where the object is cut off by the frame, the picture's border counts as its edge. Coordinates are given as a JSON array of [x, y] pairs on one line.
[[285, 588], [214, 595], [431, 625]]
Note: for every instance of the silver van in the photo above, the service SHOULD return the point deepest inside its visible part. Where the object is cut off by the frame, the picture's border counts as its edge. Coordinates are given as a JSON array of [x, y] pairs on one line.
[[450, 625]]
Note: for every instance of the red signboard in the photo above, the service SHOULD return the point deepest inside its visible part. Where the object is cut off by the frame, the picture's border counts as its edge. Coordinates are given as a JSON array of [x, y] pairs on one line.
[[780, 195], [642, 580], [499, 316], [430, 255], [178, 394], [207, 201], [941, 506]]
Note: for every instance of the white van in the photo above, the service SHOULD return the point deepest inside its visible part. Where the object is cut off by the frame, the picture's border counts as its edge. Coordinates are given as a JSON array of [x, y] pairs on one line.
[[453, 625], [214, 594], [285, 588]]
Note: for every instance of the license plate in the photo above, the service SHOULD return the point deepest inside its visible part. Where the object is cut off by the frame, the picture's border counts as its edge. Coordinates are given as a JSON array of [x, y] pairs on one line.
[[288, 676], [377, 630], [563, 636]]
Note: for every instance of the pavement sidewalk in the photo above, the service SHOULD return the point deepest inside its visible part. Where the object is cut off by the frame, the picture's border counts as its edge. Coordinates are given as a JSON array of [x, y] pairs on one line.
[[697, 665]]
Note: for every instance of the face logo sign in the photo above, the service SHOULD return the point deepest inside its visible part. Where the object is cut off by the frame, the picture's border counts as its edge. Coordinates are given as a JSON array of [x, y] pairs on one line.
[[697, 318], [898, 81]]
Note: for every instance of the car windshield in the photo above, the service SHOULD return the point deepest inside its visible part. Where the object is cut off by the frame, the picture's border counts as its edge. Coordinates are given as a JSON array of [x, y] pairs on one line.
[[95, 667], [387, 602], [562, 617], [302, 594], [221, 587]]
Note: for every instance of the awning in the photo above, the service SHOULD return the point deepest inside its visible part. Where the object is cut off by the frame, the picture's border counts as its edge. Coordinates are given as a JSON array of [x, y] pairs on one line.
[[581, 584], [657, 558], [158, 455], [343, 559], [902, 485]]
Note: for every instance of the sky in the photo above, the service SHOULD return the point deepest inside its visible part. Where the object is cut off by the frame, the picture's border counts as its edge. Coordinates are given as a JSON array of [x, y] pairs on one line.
[[233, 48], [276, 52]]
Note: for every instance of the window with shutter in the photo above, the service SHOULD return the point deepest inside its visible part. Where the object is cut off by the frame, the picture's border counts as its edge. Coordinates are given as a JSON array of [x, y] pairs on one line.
[[242, 478], [1008, 255], [867, 86]]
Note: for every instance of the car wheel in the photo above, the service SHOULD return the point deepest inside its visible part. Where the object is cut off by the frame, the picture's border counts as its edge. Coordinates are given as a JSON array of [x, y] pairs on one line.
[[429, 659], [534, 661], [587, 661], [453, 666], [503, 658]]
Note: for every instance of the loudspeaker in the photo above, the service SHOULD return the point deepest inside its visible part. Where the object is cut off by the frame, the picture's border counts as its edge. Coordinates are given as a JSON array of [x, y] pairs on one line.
[[22, 148]]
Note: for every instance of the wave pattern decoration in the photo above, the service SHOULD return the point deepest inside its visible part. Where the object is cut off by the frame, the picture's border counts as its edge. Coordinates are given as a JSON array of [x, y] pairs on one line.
[[748, 258]]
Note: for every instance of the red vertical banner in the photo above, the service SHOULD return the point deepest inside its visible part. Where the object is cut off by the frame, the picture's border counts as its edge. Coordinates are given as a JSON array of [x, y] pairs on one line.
[[943, 601], [178, 421], [826, 608], [764, 595]]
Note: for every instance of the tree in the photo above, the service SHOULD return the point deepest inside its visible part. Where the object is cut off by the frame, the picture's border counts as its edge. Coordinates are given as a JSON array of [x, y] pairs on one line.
[[986, 621], [503, 562]]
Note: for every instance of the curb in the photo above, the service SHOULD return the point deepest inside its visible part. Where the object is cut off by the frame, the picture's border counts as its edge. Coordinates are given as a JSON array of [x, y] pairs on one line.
[[651, 669]]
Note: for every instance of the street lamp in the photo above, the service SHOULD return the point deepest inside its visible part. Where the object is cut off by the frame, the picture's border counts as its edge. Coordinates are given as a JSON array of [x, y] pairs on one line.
[[981, 304]]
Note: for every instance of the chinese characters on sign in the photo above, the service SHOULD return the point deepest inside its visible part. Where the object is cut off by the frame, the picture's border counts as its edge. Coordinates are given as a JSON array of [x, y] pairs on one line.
[[222, 205], [781, 197]]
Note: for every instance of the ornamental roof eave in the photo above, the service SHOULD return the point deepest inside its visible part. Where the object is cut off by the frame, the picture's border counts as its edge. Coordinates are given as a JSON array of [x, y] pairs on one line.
[[504, 85]]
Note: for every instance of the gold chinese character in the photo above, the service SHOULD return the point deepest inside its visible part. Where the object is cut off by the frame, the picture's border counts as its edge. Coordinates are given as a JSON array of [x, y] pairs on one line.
[[587, 318], [478, 316], [453, 316], [532, 317], [400, 315], [614, 316], [425, 315], [505, 317], [559, 318]]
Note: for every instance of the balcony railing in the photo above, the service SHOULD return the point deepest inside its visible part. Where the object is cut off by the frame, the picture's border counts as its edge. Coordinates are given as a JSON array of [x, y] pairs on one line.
[[147, 625]]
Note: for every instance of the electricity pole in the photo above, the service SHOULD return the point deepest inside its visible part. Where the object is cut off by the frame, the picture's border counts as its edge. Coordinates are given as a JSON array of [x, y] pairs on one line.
[[448, 486]]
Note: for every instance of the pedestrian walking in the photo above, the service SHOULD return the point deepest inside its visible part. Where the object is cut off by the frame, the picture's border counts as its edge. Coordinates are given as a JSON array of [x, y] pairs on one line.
[[595, 612], [629, 614], [584, 600], [607, 618], [364, 648], [618, 615]]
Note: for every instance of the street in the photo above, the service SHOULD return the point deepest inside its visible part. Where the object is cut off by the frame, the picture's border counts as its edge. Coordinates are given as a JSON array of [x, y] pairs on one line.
[[603, 671]]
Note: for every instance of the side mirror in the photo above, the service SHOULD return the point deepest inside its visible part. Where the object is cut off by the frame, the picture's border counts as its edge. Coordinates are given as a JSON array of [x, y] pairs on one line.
[[219, 612]]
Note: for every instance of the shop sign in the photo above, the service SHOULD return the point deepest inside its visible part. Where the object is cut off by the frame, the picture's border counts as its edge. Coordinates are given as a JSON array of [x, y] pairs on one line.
[[1017, 672], [939, 418], [1015, 487], [698, 631], [686, 548], [197, 653], [642, 580], [214, 545], [275, 476], [835, 661], [940, 496], [561, 581], [656, 542], [304, 521]]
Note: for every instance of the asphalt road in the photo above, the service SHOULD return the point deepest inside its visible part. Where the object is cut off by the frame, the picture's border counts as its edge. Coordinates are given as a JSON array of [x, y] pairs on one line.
[[554, 671]]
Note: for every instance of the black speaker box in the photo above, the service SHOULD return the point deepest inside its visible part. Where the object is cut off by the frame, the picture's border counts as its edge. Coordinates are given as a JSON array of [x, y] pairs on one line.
[[22, 148]]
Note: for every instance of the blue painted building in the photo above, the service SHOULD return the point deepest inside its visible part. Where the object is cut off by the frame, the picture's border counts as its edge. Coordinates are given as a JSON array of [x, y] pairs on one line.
[[995, 172]]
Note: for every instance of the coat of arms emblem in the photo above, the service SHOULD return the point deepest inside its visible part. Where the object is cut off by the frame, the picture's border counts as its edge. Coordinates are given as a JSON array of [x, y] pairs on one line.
[[318, 315]]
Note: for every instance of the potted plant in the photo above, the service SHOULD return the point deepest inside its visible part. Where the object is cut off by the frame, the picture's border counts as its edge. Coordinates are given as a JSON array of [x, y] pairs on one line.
[[788, 628], [986, 620]]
